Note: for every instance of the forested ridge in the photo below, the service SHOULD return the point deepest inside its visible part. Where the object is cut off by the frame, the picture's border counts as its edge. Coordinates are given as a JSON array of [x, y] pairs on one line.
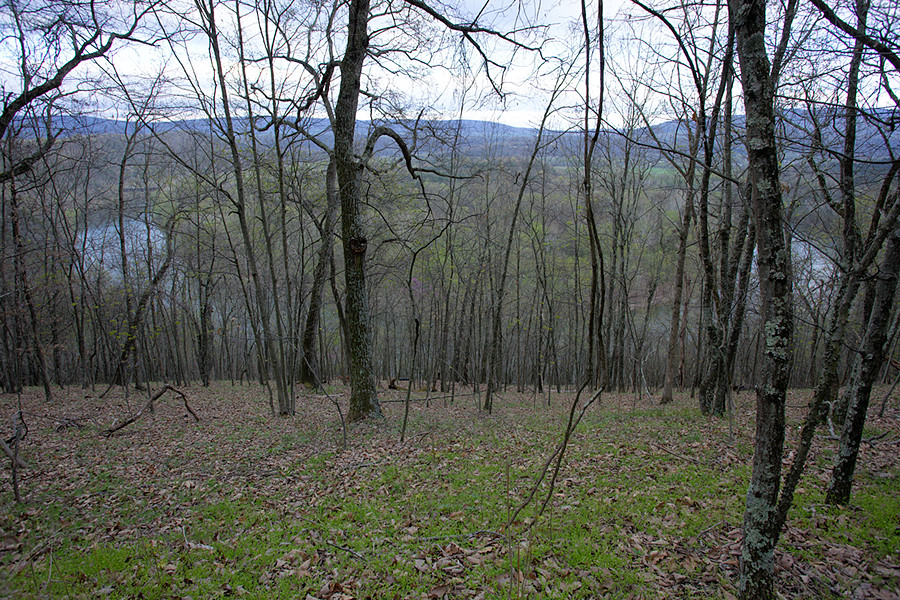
[[697, 201]]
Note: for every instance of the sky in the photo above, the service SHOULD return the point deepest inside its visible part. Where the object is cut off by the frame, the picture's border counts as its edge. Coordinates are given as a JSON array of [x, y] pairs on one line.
[[525, 93], [524, 107]]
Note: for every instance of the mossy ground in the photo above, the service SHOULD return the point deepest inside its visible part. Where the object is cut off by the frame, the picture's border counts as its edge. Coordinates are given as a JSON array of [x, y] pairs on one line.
[[648, 503]]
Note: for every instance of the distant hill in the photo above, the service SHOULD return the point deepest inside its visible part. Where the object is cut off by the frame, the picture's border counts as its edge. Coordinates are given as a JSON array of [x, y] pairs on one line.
[[875, 134], [87, 125]]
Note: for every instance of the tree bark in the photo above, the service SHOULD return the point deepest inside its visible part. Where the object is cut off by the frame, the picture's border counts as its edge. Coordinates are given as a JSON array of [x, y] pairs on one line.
[[672, 346], [865, 370], [22, 276], [494, 367], [266, 346], [364, 396], [761, 528], [280, 362], [309, 369], [596, 364]]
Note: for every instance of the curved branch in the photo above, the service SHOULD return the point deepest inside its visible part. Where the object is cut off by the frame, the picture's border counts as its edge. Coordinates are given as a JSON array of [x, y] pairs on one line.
[[468, 30], [382, 131], [886, 52]]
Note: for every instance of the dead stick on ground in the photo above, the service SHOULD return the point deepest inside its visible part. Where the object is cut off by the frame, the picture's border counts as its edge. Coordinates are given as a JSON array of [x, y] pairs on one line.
[[676, 455], [12, 455], [557, 454], [149, 404]]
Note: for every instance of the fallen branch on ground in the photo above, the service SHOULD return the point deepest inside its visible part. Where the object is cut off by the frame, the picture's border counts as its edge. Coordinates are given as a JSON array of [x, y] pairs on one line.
[[676, 455], [149, 404], [64, 423], [12, 455], [557, 454]]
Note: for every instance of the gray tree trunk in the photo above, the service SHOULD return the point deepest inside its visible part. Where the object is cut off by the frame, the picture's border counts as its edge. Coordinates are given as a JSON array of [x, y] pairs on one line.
[[309, 369], [761, 527]]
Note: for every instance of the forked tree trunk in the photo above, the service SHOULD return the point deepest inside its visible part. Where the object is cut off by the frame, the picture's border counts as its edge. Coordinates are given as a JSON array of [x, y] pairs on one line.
[[596, 364], [713, 289]]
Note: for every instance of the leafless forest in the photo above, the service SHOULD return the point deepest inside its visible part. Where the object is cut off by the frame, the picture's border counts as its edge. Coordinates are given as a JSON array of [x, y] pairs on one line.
[[699, 198]]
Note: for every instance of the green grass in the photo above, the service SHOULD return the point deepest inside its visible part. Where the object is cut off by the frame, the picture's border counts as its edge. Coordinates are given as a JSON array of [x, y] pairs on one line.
[[646, 503]]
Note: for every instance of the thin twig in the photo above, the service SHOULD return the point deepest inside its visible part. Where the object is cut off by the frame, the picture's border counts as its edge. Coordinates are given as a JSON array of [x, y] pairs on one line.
[[12, 455], [337, 405], [345, 549], [875, 438], [458, 536], [339, 547], [569, 430], [413, 438], [676, 455], [710, 528], [558, 453]]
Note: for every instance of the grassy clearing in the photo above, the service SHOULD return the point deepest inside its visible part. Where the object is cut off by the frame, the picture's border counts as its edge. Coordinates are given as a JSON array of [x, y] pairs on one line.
[[648, 504]]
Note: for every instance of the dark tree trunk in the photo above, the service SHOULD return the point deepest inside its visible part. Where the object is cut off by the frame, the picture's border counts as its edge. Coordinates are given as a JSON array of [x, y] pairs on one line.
[[865, 370], [713, 296], [25, 288], [855, 261], [495, 372], [672, 346], [364, 396], [204, 351], [137, 319], [309, 369], [267, 358]]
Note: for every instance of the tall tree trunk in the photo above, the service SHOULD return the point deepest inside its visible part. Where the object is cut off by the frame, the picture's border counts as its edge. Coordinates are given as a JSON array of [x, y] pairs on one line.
[[674, 331], [735, 263], [761, 527], [596, 364], [865, 370], [494, 358], [123, 236], [25, 288], [309, 370], [278, 345], [267, 357], [716, 326], [855, 260], [851, 233], [364, 396], [136, 320], [496, 345]]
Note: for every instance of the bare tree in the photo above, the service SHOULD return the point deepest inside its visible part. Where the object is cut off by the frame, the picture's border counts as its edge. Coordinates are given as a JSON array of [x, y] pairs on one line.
[[865, 370], [350, 172], [50, 40], [498, 293]]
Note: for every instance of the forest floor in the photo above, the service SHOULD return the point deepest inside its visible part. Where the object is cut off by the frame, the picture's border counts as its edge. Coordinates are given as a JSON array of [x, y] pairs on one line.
[[648, 502]]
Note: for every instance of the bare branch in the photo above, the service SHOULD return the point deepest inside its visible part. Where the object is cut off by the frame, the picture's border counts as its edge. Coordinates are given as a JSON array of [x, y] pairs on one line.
[[382, 131], [886, 52]]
